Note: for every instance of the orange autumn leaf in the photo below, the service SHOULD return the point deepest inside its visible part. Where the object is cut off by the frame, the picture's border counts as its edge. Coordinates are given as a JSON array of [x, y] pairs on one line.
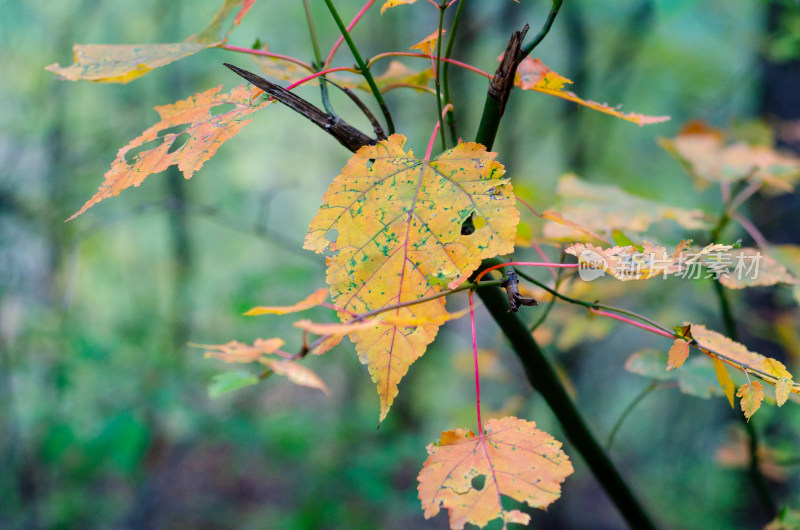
[[297, 374], [678, 354], [314, 299], [428, 44], [391, 225], [751, 394], [122, 63], [238, 352], [513, 458], [750, 267], [205, 131], [532, 74]]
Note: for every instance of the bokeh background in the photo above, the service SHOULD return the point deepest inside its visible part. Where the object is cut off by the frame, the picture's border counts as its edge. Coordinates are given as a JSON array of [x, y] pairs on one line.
[[105, 418]]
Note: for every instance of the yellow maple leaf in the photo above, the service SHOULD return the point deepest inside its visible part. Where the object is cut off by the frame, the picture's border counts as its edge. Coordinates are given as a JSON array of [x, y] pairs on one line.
[[752, 395], [514, 459], [391, 224], [204, 130], [532, 74], [312, 300]]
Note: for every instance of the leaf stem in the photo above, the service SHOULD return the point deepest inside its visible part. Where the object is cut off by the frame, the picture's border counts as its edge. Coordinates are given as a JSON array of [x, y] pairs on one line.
[[350, 26], [318, 64], [527, 49], [363, 68], [475, 360], [320, 73], [451, 119], [263, 53], [628, 409], [436, 74], [429, 57]]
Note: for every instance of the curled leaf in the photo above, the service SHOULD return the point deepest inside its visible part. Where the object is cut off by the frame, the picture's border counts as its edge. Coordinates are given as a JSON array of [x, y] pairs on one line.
[[678, 354], [239, 352], [297, 374], [312, 300]]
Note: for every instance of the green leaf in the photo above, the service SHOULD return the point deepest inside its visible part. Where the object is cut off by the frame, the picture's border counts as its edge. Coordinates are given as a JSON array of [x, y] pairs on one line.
[[230, 381]]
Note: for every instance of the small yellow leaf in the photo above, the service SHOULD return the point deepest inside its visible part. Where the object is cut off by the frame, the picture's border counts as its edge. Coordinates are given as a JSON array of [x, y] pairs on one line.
[[394, 3], [678, 354], [297, 374], [725, 381], [752, 394], [335, 328], [782, 389], [428, 44], [313, 300]]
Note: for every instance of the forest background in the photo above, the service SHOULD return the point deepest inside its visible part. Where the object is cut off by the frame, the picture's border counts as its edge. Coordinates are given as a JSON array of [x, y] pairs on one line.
[[104, 409]]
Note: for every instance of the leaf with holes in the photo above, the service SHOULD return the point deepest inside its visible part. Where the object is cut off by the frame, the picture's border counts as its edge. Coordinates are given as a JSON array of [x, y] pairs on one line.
[[122, 63], [532, 74], [206, 120], [645, 261], [392, 226], [469, 475], [602, 208]]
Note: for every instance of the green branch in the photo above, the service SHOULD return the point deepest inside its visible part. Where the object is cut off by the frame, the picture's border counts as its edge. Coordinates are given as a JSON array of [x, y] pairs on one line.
[[527, 49], [363, 68], [318, 64]]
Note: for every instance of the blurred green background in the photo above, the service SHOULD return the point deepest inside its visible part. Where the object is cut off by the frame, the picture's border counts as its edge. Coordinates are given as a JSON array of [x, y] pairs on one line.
[[105, 420]]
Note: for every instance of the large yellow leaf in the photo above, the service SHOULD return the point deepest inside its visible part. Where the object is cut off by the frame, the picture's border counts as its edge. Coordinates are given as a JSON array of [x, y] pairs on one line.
[[532, 74], [512, 458], [121, 63], [205, 130], [392, 226]]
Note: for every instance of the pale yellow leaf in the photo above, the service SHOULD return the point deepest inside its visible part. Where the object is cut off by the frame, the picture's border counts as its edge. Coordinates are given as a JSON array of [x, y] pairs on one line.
[[725, 381], [313, 300]]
